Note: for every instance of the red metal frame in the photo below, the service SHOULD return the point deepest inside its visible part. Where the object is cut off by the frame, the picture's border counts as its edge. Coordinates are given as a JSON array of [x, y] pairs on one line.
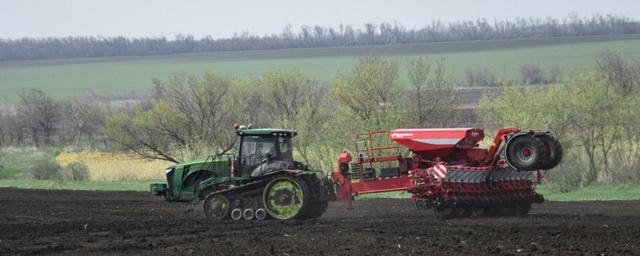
[[428, 146]]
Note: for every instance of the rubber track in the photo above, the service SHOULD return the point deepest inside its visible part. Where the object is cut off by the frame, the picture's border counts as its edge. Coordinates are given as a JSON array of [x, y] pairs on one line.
[[318, 202]]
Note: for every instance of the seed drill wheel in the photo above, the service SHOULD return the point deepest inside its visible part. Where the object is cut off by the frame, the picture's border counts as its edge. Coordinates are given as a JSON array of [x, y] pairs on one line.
[[217, 207], [284, 198], [525, 152], [553, 149]]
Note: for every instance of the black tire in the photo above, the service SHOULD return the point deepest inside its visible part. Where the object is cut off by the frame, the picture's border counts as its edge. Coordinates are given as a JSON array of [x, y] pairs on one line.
[[307, 199], [524, 152], [216, 207], [553, 149]]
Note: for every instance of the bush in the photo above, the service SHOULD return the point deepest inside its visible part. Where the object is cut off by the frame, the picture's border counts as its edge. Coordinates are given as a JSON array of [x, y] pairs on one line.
[[77, 171], [555, 74], [531, 74], [46, 168], [477, 77]]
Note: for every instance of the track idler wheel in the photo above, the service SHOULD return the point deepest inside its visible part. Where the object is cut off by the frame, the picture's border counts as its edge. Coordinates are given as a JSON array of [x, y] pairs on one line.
[[216, 207]]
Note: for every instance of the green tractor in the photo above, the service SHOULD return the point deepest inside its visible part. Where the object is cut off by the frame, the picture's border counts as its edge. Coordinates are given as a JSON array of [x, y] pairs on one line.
[[263, 181]]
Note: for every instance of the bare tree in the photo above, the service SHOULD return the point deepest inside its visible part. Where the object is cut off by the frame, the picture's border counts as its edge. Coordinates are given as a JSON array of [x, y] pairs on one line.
[[478, 77], [193, 119], [619, 73], [431, 98], [531, 74], [83, 121], [292, 100], [40, 114]]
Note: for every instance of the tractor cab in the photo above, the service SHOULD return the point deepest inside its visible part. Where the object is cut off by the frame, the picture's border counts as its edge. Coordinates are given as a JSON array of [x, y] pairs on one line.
[[263, 150]]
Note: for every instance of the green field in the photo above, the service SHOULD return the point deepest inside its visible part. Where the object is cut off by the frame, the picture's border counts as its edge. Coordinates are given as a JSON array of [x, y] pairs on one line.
[[78, 185], [68, 77]]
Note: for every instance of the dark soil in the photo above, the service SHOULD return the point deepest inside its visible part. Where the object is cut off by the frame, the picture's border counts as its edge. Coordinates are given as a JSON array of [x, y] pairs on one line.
[[80, 222]]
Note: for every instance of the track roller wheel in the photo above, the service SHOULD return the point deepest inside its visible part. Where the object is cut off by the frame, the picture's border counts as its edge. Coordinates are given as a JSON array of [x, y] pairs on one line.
[[236, 214], [216, 207], [261, 214], [248, 214]]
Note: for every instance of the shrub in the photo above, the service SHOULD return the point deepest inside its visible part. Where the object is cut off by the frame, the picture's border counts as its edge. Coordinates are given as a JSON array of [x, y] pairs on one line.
[[46, 168], [555, 74], [477, 77], [77, 171], [531, 74]]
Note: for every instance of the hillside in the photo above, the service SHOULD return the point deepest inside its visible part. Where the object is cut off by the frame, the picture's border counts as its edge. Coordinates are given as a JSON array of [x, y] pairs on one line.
[[124, 75]]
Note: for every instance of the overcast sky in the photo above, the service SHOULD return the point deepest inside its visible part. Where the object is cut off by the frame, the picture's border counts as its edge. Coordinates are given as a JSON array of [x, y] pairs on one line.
[[137, 18]]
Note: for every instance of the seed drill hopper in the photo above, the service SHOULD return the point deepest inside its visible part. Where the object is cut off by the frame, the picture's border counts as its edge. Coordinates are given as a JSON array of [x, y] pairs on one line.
[[446, 169]]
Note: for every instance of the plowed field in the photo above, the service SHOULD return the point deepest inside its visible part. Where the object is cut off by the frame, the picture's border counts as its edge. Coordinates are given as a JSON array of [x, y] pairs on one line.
[[115, 223]]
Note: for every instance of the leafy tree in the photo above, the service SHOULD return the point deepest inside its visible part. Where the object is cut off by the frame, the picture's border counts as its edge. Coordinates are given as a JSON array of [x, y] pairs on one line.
[[594, 123], [531, 74], [431, 98], [370, 92], [295, 101], [193, 119]]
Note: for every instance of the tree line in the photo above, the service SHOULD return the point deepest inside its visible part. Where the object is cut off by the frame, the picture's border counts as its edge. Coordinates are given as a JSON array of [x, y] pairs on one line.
[[317, 36], [39, 120], [595, 116], [189, 116]]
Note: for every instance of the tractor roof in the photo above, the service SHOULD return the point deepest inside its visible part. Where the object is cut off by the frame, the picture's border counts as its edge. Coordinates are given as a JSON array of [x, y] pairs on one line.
[[266, 131]]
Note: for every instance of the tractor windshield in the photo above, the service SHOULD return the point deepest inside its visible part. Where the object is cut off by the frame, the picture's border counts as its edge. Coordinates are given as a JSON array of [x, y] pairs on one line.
[[255, 149]]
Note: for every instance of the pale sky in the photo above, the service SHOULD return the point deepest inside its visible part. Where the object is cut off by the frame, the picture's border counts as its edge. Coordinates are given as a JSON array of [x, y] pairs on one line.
[[137, 18]]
